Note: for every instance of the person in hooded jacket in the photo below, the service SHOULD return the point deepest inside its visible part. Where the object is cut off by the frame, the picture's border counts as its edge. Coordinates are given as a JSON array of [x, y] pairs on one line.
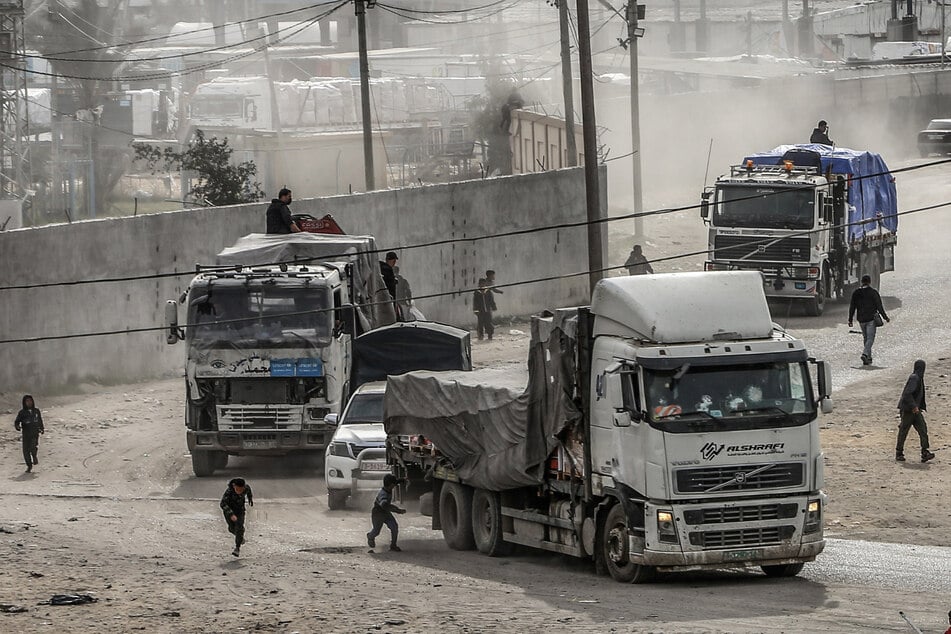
[[29, 422], [911, 406], [232, 504], [820, 134]]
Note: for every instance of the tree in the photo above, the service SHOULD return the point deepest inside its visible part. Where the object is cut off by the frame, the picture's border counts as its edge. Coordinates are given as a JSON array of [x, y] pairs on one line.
[[220, 181]]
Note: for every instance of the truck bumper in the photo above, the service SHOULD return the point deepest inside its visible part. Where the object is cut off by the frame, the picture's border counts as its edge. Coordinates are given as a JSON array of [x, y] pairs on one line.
[[260, 443], [741, 558]]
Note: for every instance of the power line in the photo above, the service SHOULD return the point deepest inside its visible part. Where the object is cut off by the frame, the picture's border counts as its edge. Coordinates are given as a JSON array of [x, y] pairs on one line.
[[400, 12], [538, 280], [448, 241]]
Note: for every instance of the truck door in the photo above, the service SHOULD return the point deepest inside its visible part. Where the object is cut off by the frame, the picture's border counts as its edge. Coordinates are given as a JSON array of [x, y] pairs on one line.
[[618, 429]]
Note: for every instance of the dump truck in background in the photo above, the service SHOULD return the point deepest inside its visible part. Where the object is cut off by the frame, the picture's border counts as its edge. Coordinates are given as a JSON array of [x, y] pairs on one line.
[[268, 337], [669, 426], [812, 218]]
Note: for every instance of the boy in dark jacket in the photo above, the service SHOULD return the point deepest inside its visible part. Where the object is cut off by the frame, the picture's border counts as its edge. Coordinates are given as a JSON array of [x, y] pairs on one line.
[[29, 422], [382, 513], [232, 504], [482, 304], [911, 405]]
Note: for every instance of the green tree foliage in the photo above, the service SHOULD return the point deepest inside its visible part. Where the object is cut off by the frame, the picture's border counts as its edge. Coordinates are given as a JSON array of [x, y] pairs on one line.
[[220, 181]]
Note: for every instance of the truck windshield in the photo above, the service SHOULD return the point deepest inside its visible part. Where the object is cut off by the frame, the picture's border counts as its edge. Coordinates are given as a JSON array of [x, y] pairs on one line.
[[260, 317], [765, 208], [736, 396]]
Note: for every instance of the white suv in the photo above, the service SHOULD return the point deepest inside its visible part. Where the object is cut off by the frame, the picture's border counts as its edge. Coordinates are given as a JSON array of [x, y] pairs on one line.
[[356, 456]]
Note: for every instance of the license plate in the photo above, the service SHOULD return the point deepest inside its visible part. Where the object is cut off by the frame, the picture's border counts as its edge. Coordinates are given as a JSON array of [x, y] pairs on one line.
[[742, 555], [378, 465], [936, 137], [259, 444]]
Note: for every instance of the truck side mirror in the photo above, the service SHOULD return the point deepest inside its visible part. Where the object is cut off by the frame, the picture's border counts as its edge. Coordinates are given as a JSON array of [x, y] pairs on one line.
[[824, 372], [345, 316], [705, 205], [173, 335]]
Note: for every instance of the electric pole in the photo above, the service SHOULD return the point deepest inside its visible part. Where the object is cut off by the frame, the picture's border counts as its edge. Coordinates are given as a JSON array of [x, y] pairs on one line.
[[361, 11], [566, 84], [591, 180], [632, 33], [567, 87]]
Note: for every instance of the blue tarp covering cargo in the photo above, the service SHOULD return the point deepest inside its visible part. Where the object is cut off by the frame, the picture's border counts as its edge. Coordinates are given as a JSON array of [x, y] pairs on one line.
[[872, 196]]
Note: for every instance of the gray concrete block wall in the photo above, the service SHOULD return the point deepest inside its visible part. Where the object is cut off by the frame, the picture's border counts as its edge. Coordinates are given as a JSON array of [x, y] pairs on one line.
[[176, 241]]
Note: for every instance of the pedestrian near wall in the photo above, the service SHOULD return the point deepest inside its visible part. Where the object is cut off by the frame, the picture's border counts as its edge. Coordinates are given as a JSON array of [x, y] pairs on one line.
[[866, 304], [912, 406], [637, 263], [232, 505], [29, 422], [482, 302]]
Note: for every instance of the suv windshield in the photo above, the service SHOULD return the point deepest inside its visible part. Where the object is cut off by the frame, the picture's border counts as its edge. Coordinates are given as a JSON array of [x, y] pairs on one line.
[[765, 207], [260, 316], [364, 408], [747, 396]]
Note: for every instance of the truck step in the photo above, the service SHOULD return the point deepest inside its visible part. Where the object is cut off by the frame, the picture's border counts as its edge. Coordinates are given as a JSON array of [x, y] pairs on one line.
[[574, 551], [538, 518]]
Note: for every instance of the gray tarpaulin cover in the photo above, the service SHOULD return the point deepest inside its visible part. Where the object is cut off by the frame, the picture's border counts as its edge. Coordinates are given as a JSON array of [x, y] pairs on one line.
[[496, 435], [259, 249]]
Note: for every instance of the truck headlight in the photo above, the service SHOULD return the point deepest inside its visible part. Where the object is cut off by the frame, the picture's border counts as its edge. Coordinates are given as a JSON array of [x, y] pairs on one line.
[[341, 449], [666, 530], [813, 517]]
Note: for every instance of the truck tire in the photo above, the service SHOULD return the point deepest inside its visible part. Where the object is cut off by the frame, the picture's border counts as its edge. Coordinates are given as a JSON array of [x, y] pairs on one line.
[[613, 550], [337, 499], [816, 305], [221, 459], [487, 524], [455, 515], [783, 570], [203, 463], [426, 504]]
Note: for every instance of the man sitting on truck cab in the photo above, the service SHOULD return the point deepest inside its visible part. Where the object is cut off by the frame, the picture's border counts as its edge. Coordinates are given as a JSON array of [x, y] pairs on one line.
[[820, 134], [279, 214]]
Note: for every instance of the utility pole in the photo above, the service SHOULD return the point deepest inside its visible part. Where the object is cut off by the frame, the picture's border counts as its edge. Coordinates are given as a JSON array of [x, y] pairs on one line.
[[632, 34], [275, 115], [567, 87], [944, 36], [361, 11], [591, 181]]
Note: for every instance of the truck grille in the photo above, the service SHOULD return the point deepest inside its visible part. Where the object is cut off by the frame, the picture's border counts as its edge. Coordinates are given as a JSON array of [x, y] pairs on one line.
[[239, 417], [724, 515], [759, 249], [786, 474], [742, 537]]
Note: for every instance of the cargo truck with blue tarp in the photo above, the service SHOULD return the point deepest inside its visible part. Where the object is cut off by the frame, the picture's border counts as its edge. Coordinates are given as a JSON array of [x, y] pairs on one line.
[[812, 218]]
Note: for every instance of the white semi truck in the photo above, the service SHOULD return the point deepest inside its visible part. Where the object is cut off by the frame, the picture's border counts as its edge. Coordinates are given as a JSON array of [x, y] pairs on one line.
[[812, 218], [268, 342], [669, 426]]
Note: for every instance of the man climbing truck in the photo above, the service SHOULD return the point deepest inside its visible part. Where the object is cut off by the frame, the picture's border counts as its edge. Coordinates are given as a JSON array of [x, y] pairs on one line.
[[268, 338], [812, 218], [669, 426]]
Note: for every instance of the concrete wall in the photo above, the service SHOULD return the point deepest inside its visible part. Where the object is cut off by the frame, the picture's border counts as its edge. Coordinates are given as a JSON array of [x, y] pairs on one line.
[[175, 241]]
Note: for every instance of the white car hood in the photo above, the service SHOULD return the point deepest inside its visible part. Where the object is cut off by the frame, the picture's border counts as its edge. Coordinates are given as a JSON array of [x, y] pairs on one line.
[[361, 433]]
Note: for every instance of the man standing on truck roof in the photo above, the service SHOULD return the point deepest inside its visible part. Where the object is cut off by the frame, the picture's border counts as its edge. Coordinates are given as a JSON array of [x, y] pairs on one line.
[[382, 513], [279, 214], [820, 134], [911, 405], [868, 304]]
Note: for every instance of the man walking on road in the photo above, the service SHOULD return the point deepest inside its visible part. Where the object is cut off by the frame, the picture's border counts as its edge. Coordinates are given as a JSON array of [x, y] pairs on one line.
[[232, 504], [911, 406], [29, 422], [279, 214], [636, 263], [868, 304]]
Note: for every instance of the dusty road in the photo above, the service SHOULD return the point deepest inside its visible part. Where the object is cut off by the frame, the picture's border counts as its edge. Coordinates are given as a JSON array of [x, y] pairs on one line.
[[113, 510]]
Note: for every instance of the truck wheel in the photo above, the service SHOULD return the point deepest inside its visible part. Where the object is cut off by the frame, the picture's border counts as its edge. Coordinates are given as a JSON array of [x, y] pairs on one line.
[[614, 550], [203, 463], [487, 524], [455, 515], [816, 305], [783, 570], [426, 504], [337, 499], [221, 459]]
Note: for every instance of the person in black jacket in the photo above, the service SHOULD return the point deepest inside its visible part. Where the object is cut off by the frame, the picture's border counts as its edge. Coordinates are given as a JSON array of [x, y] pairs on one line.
[[867, 303], [29, 422], [820, 134], [232, 504], [279, 214], [382, 513], [482, 304], [911, 405]]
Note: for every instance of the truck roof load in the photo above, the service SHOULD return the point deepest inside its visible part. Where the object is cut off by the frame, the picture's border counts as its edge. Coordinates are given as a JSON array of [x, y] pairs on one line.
[[369, 291], [683, 307], [872, 198]]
